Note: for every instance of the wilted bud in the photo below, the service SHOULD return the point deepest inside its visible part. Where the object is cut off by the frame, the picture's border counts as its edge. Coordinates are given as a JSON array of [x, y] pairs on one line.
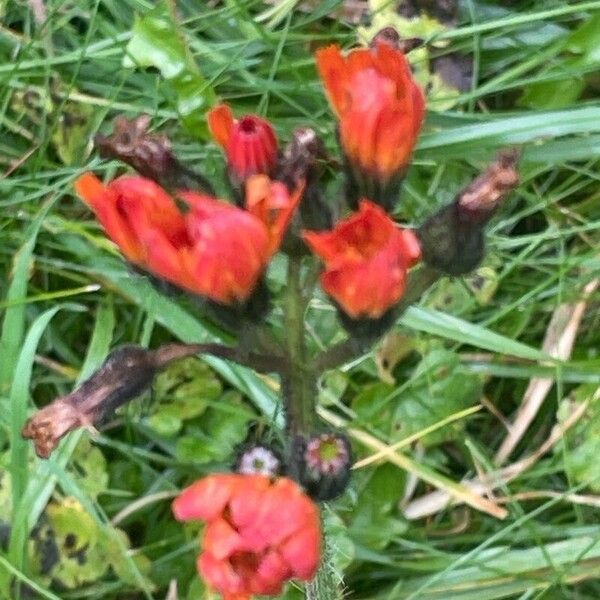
[[149, 154], [452, 240], [321, 464], [125, 374], [301, 165]]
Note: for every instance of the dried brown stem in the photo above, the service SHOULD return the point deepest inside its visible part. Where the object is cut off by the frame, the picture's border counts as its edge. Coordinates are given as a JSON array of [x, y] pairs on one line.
[[126, 373]]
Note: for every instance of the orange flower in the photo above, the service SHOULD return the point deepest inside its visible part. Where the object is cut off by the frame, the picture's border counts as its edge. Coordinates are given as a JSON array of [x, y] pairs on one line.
[[215, 249], [380, 108], [260, 532], [249, 143], [271, 202], [366, 260]]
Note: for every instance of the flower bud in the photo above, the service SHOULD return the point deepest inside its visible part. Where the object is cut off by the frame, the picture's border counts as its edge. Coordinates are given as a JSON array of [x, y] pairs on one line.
[[453, 239], [258, 459], [301, 164], [149, 154], [321, 464], [380, 110], [249, 144]]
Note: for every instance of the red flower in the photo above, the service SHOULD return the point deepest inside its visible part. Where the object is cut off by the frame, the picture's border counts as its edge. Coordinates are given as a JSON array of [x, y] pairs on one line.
[[366, 260], [249, 143], [378, 103], [259, 532], [215, 249]]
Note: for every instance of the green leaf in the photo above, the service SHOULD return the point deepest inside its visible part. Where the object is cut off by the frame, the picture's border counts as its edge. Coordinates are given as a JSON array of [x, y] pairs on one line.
[[129, 571], [374, 522], [184, 390], [218, 433], [508, 130], [585, 41], [340, 544], [436, 391], [546, 95], [74, 534], [453, 328], [89, 468], [19, 397], [504, 572], [75, 549], [13, 324], [158, 41], [582, 441]]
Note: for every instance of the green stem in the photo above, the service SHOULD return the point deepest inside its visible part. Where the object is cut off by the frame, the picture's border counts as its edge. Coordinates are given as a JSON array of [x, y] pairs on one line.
[[299, 382], [300, 395], [326, 584]]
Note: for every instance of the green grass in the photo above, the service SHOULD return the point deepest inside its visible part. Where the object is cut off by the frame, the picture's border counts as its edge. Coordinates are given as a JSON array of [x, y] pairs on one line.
[[67, 299]]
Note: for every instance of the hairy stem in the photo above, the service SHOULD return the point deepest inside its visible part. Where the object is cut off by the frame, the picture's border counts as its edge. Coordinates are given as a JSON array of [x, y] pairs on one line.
[[299, 382]]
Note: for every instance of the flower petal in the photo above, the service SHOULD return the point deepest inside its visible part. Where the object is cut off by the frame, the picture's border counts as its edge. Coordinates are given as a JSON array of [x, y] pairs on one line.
[[302, 552], [333, 71], [205, 499], [103, 201], [220, 575], [220, 539], [220, 123]]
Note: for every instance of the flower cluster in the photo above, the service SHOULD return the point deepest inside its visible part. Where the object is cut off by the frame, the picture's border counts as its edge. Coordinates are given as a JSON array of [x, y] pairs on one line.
[[263, 529], [221, 251], [260, 532]]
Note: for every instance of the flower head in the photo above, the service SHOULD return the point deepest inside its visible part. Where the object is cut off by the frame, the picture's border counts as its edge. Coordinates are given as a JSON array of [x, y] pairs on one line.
[[260, 532], [366, 260], [321, 463], [214, 249], [258, 459], [249, 143], [380, 109]]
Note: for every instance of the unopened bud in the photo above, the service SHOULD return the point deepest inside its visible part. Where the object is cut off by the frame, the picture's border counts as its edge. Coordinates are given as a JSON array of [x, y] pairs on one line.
[[452, 240], [321, 463]]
